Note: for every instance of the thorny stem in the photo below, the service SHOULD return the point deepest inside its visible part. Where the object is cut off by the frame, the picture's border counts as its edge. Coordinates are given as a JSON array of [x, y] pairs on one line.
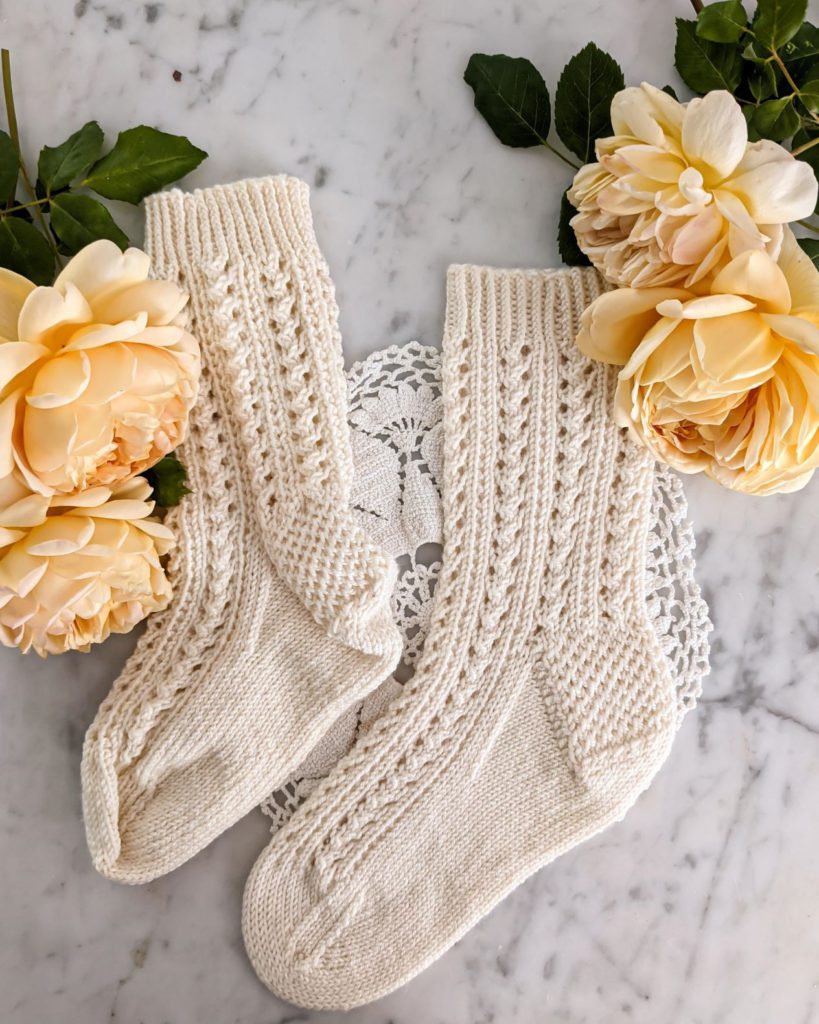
[[697, 5], [14, 134]]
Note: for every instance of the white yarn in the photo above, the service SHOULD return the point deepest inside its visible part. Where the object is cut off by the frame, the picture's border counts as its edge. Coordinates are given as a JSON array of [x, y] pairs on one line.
[[395, 415], [281, 613]]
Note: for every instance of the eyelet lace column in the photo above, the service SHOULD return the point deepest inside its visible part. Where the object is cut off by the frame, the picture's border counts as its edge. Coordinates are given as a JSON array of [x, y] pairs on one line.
[[395, 414]]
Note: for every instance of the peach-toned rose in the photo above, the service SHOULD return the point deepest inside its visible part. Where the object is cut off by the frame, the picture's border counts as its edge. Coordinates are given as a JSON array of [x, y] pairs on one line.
[[678, 192], [97, 373], [726, 382], [73, 570]]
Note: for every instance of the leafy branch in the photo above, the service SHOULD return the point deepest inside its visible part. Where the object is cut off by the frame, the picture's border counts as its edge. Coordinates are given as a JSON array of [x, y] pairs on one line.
[[57, 220], [513, 98], [770, 65], [14, 133], [57, 217]]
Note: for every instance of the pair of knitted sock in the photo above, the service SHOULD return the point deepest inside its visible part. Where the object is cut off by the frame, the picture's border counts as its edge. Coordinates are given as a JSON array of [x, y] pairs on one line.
[[542, 688]]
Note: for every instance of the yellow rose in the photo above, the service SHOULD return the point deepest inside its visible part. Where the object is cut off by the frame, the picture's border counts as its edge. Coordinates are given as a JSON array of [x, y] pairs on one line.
[[678, 192], [97, 374], [727, 381], [74, 570]]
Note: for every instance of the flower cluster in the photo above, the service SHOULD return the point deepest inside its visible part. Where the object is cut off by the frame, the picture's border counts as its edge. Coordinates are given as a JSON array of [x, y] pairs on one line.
[[716, 320], [97, 378]]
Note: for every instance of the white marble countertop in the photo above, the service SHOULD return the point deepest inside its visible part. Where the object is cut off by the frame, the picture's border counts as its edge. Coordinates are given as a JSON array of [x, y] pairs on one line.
[[703, 906]]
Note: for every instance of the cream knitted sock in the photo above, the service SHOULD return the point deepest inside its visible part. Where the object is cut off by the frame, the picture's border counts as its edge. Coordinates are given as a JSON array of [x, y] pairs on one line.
[[281, 617], [542, 693]]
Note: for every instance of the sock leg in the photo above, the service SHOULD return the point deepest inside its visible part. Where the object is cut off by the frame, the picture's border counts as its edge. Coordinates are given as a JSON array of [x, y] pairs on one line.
[[542, 705], [282, 617]]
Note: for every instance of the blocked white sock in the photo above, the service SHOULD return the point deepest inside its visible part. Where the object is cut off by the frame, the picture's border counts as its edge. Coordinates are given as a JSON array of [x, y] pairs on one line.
[[542, 691], [281, 617]]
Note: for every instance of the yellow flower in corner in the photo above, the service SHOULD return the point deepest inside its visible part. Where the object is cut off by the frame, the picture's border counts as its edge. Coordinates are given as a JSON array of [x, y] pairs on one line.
[[678, 192], [74, 570], [727, 381], [97, 373]]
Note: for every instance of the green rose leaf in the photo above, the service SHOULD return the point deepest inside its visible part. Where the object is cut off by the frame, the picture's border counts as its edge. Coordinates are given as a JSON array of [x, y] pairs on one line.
[[25, 250], [567, 245], [704, 65], [801, 52], [512, 97], [80, 220], [811, 247], [722, 22], [9, 168], [748, 113], [583, 99], [58, 166], [141, 162], [809, 94], [761, 79], [669, 91], [776, 119], [752, 53], [777, 21], [169, 481]]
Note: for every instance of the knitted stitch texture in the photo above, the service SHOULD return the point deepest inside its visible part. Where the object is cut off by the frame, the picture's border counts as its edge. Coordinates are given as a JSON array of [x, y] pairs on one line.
[[542, 689], [281, 618], [395, 412]]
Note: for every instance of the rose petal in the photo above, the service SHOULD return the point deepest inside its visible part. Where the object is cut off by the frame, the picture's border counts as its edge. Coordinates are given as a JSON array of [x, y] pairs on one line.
[[653, 163], [59, 535], [26, 512], [9, 537], [714, 134], [736, 213], [20, 572], [692, 242], [102, 267], [8, 417], [615, 323], [124, 508], [49, 315], [113, 370], [756, 275], [155, 529], [16, 356], [161, 301], [736, 347], [705, 308], [90, 498], [106, 334], [48, 437], [60, 381], [800, 273], [796, 329], [774, 186], [14, 290]]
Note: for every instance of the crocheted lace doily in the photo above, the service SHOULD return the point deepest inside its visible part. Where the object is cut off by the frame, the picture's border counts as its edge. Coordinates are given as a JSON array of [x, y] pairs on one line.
[[395, 414]]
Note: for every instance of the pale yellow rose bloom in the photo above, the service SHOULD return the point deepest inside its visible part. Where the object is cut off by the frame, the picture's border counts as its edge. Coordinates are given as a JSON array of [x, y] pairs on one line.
[[677, 191], [73, 570], [725, 382], [97, 373]]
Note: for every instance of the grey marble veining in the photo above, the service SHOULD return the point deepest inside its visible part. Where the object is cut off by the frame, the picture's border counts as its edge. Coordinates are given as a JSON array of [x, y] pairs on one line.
[[701, 907]]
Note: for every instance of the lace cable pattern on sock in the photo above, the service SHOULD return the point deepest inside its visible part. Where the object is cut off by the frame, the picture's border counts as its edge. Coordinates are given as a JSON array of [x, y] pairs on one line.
[[395, 414]]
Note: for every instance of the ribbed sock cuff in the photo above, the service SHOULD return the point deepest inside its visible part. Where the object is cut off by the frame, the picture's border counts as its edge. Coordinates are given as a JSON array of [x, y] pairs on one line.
[[267, 321], [258, 218]]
